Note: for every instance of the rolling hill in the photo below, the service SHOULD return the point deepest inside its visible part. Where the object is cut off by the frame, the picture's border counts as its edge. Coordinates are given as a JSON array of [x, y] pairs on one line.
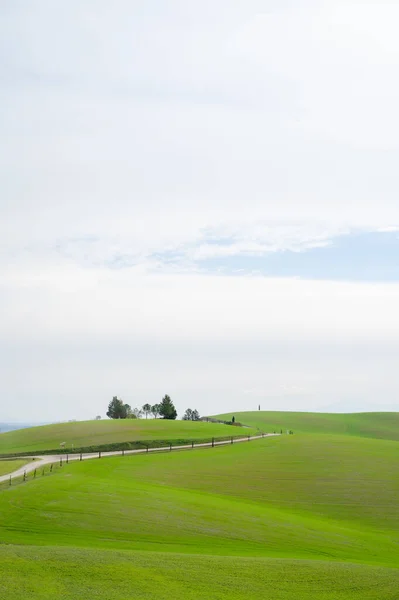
[[310, 515], [383, 425], [97, 433]]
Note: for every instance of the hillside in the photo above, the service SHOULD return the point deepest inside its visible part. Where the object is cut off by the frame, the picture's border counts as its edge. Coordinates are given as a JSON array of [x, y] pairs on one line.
[[315, 516], [378, 425], [96, 433]]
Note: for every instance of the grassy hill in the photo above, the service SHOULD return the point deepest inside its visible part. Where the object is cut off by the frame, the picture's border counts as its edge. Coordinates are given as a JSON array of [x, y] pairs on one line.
[[372, 425], [315, 516], [9, 466], [97, 433]]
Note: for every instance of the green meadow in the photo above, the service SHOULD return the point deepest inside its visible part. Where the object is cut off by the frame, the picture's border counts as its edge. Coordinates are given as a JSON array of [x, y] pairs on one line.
[[8, 466], [312, 515], [372, 425], [96, 433]]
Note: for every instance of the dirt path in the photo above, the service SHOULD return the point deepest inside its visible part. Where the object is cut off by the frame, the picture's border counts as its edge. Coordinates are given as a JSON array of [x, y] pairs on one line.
[[40, 461]]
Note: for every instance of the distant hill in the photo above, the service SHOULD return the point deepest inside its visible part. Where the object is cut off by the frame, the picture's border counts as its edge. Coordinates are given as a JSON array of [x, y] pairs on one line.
[[14, 426], [80, 434], [377, 425]]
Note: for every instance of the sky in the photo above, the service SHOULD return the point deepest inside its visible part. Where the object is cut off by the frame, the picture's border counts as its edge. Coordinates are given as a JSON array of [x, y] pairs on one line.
[[198, 199]]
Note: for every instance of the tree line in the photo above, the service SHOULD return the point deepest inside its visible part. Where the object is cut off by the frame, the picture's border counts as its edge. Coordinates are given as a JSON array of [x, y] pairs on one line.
[[117, 409]]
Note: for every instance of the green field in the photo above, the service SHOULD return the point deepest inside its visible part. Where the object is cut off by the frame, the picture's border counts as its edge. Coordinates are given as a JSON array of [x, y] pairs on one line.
[[96, 433], [314, 516], [61, 573], [372, 425], [8, 466]]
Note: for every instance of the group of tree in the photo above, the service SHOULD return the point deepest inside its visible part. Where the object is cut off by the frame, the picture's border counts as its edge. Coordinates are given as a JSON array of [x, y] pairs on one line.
[[191, 415], [117, 409]]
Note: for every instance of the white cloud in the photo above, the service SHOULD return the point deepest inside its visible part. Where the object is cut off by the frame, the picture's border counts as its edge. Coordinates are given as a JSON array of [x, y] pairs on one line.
[[145, 128]]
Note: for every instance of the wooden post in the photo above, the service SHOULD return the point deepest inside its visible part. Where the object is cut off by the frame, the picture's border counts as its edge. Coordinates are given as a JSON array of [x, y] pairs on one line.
[[213, 442], [147, 448], [24, 475], [67, 458], [99, 454], [51, 468], [232, 439], [192, 444], [249, 437], [170, 446], [34, 474], [123, 453], [10, 479], [80, 456], [61, 461]]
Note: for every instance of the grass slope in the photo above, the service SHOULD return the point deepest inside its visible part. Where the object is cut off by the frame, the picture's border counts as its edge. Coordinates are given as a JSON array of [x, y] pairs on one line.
[[93, 433], [59, 573], [265, 498], [8, 466], [309, 516], [373, 425]]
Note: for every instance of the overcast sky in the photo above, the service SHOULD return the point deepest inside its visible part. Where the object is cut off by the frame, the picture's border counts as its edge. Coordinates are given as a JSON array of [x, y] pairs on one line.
[[199, 199]]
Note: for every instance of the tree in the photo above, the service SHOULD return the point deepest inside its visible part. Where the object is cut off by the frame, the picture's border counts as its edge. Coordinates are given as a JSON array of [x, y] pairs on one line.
[[187, 415], [117, 409], [191, 415], [233, 419], [137, 413], [155, 409], [146, 409], [196, 416], [129, 412], [167, 408]]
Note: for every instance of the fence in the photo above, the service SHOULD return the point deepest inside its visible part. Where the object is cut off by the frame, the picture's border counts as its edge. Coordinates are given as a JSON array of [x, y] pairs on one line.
[[115, 447], [39, 471], [145, 447]]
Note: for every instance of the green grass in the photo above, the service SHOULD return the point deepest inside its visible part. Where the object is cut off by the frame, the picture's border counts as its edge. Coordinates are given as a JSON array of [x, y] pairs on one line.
[[373, 425], [97, 433], [8, 466], [310, 516], [49, 574], [265, 498]]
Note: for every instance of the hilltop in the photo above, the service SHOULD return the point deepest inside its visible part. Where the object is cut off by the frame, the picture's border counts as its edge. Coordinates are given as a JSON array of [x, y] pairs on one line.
[[376, 425], [82, 434]]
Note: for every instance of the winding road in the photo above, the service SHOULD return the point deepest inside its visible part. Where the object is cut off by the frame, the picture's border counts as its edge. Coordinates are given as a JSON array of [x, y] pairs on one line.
[[40, 461]]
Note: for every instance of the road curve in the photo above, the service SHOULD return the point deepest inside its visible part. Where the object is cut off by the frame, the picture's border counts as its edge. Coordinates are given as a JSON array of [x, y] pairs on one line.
[[41, 461]]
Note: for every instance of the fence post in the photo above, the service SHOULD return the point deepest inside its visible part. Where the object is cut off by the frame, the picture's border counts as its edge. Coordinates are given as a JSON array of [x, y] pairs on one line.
[[147, 448], [10, 479], [34, 474], [170, 446], [213, 442], [67, 458], [263, 434], [80, 456], [99, 454], [61, 461], [249, 437], [24, 475], [192, 444], [231, 439], [51, 468], [123, 453]]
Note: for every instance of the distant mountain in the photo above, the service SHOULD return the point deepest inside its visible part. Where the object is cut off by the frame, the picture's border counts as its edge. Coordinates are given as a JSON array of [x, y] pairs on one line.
[[13, 426]]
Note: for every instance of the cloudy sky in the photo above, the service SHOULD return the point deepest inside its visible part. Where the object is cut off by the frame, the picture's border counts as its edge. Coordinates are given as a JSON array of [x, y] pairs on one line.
[[199, 199]]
